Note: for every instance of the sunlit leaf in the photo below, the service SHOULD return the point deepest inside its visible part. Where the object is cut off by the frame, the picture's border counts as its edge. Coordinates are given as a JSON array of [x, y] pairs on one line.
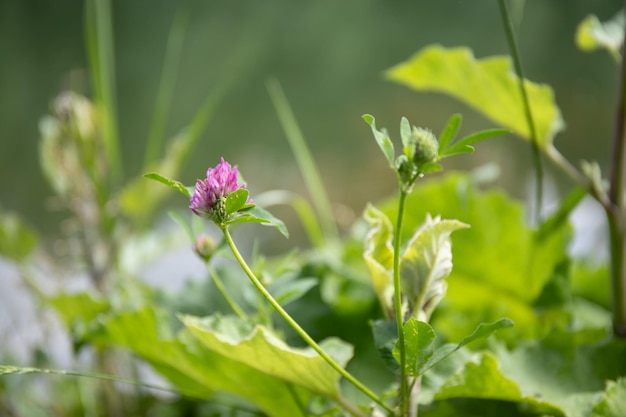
[[613, 402], [260, 349], [593, 34], [449, 132], [426, 262], [489, 85], [378, 254], [382, 138], [194, 370]]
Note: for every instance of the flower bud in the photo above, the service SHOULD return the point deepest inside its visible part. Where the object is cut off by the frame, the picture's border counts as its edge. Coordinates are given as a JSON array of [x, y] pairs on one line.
[[426, 146], [204, 247]]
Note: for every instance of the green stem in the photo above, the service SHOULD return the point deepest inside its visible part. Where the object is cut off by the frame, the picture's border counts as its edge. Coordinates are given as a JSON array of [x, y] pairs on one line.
[[397, 294], [305, 336], [229, 300], [517, 61], [616, 213]]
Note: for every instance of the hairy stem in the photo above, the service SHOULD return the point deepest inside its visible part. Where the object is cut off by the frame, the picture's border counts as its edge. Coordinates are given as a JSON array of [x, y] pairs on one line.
[[303, 334], [397, 301], [536, 151]]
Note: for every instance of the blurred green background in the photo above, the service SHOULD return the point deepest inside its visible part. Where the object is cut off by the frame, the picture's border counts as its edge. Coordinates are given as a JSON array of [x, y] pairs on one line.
[[329, 56]]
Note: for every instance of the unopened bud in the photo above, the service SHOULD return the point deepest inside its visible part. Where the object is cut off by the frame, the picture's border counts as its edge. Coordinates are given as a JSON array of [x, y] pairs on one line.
[[204, 247], [426, 146]]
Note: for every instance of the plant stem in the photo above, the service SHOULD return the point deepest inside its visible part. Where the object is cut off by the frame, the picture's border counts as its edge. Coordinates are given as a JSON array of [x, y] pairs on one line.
[[615, 213], [397, 301], [305, 336], [536, 151], [229, 300]]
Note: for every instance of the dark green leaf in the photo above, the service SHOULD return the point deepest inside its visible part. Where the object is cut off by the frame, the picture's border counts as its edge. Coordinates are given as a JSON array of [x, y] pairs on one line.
[[236, 200], [385, 334], [449, 132], [288, 288], [382, 138], [170, 183]]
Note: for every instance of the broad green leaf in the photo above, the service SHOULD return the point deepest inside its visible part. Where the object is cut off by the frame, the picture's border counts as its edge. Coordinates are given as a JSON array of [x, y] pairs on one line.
[[420, 344], [79, 308], [260, 349], [194, 370], [426, 262], [382, 138], [613, 402], [593, 34], [500, 265], [592, 283], [484, 379], [464, 144], [17, 240], [258, 215], [449, 132], [176, 185], [378, 255], [236, 200], [489, 85]]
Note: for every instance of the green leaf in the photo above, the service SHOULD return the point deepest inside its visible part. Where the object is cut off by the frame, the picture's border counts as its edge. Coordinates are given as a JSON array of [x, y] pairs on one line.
[[78, 308], [385, 333], [613, 402], [489, 85], [405, 132], [382, 138], [592, 34], [426, 262], [420, 344], [176, 185], [463, 145], [17, 240], [236, 200], [519, 264], [258, 215], [378, 255], [288, 288], [449, 132], [260, 349], [195, 370]]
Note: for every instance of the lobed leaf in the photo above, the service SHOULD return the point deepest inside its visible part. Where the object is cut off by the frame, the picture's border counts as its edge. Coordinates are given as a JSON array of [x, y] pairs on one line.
[[489, 85], [260, 349]]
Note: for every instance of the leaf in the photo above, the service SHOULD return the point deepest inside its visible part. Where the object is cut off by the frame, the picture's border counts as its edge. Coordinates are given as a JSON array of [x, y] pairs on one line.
[[196, 371], [449, 132], [288, 288], [385, 334], [382, 138], [426, 262], [260, 349], [236, 200], [79, 308], [463, 145], [489, 85], [613, 402], [405, 132], [419, 340], [378, 254], [592, 34], [519, 264], [176, 185], [17, 240], [258, 215], [419, 346]]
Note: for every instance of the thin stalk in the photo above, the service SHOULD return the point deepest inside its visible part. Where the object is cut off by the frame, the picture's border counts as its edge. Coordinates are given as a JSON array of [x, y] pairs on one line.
[[229, 300], [536, 151], [303, 334], [302, 153], [616, 214], [397, 301]]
